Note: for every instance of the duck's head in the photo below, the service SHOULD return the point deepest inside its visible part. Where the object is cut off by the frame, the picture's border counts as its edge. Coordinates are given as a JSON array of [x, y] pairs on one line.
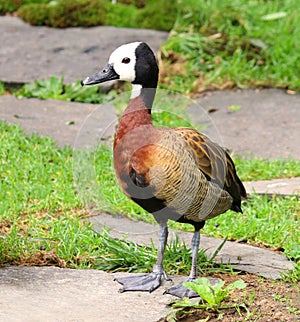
[[133, 62]]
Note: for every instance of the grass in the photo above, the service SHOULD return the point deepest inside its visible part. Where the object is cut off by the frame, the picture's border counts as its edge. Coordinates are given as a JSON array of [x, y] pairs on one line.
[[2, 88], [9, 6], [221, 44], [270, 222], [42, 213], [251, 169], [35, 173]]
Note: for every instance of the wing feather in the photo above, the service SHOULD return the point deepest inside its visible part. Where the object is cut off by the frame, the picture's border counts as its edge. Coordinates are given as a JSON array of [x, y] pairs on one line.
[[215, 163]]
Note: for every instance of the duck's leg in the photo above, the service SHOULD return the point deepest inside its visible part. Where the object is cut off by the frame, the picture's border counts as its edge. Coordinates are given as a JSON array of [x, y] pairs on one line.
[[149, 282], [180, 290]]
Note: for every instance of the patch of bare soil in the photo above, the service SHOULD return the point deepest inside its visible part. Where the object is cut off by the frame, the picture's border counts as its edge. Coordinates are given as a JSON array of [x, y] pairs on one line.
[[263, 300]]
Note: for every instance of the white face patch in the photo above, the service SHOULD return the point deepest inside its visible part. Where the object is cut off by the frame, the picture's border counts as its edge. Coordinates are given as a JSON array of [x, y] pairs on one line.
[[123, 60]]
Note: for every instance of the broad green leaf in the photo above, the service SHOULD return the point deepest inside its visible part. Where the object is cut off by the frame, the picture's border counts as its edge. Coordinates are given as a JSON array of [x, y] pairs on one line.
[[239, 284], [219, 293], [202, 287], [54, 85], [213, 294]]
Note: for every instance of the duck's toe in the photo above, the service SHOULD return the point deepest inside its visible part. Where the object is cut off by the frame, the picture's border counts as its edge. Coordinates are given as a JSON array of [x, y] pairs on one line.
[[181, 291], [145, 282]]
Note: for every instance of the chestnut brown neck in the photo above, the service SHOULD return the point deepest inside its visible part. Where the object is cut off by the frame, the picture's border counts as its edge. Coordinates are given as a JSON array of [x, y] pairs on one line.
[[135, 115]]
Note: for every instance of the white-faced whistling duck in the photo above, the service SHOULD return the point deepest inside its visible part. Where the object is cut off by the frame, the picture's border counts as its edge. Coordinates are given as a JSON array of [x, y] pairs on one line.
[[173, 173]]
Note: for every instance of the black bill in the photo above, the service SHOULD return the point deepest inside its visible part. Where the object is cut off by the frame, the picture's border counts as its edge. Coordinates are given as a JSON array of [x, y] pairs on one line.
[[106, 74]]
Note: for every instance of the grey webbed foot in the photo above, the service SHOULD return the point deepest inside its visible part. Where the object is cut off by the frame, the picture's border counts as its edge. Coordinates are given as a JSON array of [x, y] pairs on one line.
[[145, 282], [181, 291]]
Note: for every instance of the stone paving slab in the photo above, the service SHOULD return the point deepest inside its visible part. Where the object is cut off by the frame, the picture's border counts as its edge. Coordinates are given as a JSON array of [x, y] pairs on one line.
[[251, 259], [266, 124], [282, 187], [48, 294], [28, 53], [61, 120]]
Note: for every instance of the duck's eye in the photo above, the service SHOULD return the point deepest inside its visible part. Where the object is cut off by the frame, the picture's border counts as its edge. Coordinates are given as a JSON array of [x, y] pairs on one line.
[[126, 60]]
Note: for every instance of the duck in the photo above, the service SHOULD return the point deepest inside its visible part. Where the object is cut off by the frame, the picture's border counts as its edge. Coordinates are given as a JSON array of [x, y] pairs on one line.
[[174, 174]]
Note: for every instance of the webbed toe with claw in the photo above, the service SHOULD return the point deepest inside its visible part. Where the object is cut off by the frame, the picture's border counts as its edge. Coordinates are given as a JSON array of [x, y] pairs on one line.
[[181, 291], [144, 282]]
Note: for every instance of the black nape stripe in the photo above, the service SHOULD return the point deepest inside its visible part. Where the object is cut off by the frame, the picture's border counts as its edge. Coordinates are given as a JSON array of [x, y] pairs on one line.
[[146, 68], [146, 71]]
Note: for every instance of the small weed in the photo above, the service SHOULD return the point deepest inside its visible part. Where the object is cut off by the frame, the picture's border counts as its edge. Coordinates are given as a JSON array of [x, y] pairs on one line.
[[211, 298], [55, 89], [280, 298], [213, 295], [43, 89], [288, 302]]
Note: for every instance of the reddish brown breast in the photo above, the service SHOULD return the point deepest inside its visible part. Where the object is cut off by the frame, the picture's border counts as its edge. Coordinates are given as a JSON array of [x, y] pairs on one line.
[[134, 142]]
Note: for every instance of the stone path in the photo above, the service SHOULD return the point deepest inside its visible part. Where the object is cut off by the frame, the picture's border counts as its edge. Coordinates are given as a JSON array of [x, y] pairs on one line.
[[60, 120], [276, 186], [266, 125], [51, 294]]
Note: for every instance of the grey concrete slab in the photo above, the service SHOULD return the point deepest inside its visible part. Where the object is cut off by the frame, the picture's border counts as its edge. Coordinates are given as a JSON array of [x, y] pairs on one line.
[[48, 294], [61, 120], [28, 53], [276, 186], [255, 260], [266, 125]]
